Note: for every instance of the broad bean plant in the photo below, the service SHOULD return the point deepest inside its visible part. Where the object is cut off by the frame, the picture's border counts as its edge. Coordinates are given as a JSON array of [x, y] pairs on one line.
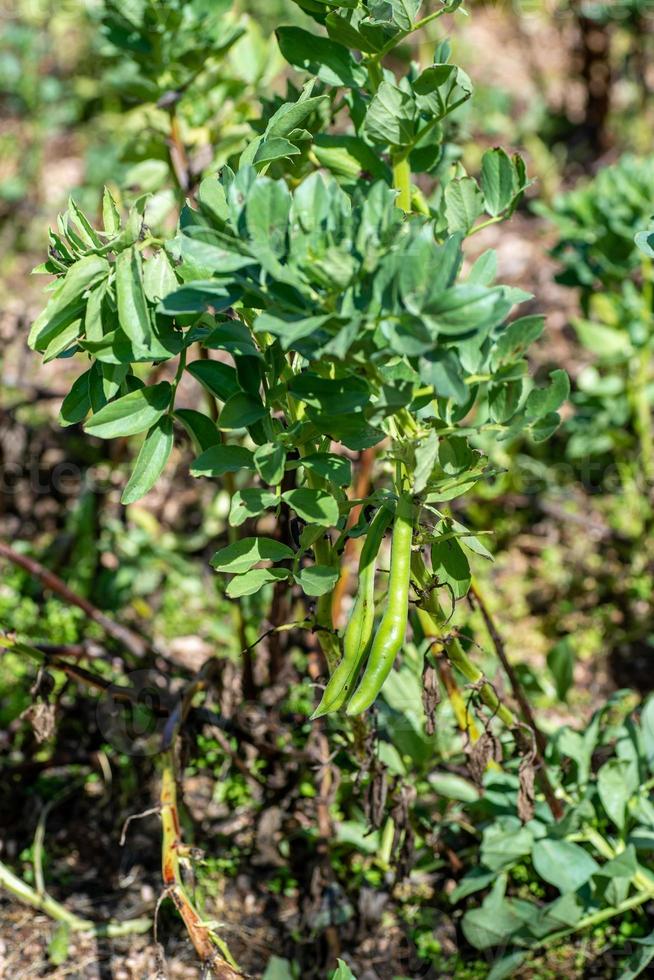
[[317, 290], [185, 76], [596, 223]]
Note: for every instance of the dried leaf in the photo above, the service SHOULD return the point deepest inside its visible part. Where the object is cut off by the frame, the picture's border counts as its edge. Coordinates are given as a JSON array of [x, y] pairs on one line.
[[374, 803], [526, 790], [485, 749], [431, 696], [41, 716]]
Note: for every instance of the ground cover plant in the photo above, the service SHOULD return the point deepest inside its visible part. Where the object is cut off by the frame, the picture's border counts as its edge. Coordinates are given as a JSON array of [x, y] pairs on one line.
[[319, 345], [599, 257]]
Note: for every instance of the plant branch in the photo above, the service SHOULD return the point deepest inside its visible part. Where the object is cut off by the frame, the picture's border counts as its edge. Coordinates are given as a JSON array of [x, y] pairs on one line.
[[475, 597], [46, 903], [122, 634], [211, 950]]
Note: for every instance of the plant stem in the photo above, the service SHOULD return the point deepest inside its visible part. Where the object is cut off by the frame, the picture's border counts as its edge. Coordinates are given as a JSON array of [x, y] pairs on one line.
[[402, 180], [485, 224], [361, 490], [45, 903], [127, 637], [464, 718], [432, 619], [521, 698], [601, 916], [640, 399], [206, 945]]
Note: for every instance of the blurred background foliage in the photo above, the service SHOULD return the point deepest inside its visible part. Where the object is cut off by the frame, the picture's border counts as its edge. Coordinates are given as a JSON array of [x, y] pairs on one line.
[[94, 93]]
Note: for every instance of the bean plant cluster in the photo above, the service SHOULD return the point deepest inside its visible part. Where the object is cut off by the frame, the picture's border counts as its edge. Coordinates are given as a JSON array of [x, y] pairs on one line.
[[340, 312], [599, 259], [315, 303]]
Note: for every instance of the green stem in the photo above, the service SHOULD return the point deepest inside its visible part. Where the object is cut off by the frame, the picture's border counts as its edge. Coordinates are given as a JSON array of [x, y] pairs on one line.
[[398, 38], [45, 903], [386, 847], [375, 74], [322, 551], [486, 224], [640, 399], [601, 916], [402, 180], [432, 618]]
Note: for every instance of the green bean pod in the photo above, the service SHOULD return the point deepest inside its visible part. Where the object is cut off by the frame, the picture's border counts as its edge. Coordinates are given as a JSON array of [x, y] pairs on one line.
[[392, 628], [358, 632]]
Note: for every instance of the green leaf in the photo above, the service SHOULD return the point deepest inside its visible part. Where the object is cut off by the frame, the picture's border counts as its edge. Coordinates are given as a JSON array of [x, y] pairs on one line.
[[250, 503], [390, 118], [331, 395], [624, 865], [645, 242], [77, 403], [266, 216], [317, 579], [426, 456], [219, 379], [274, 149], [545, 426], [442, 370], [615, 787], [133, 413], [432, 78], [331, 62], [201, 429], [543, 401], [563, 864], [110, 213], [462, 309], [640, 959], [67, 300], [494, 922], [240, 410], [232, 336], [605, 342], [352, 430], [475, 881], [507, 966], [343, 972], [463, 204], [516, 337], [133, 313], [59, 945], [454, 787], [150, 461], [560, 661], [347, 156], [504, 843], [497, 181], [221, 459], [290, 330], [647, 729], [313, 506], [451, 566], [198, 296], [270, 459], [242, 555], [254, 580], [278, 969], [404, 12], [291, 115], [336, 469], [158, 277]]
